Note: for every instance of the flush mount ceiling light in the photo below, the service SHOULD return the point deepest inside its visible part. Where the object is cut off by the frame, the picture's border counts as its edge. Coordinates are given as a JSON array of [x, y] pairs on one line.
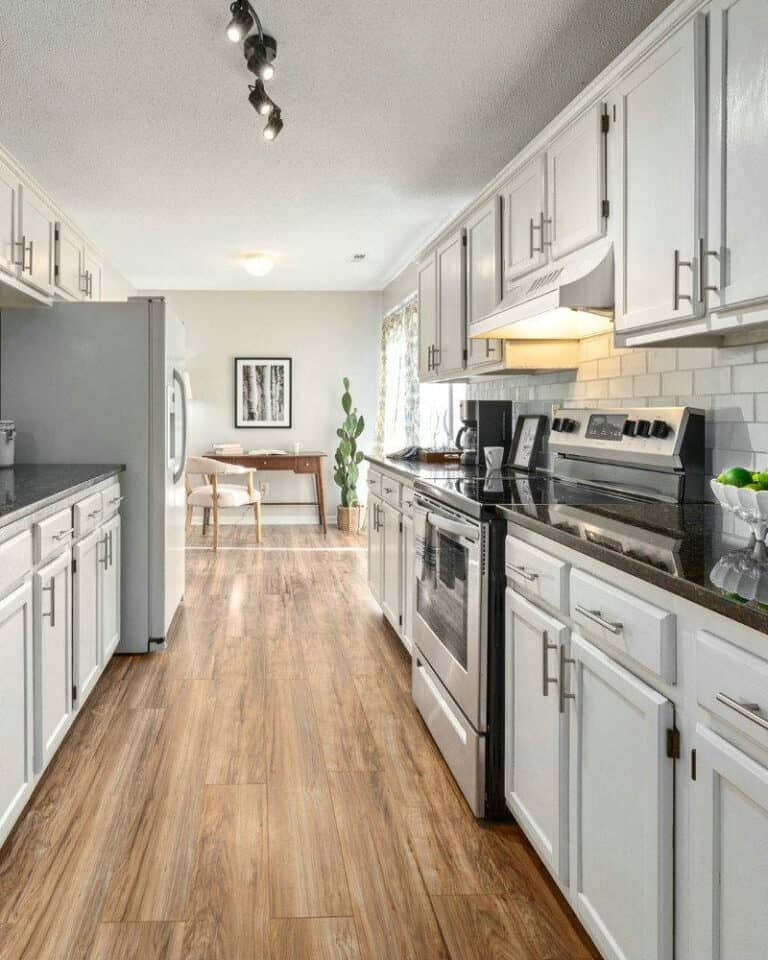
[[257, 264], [260, 51]]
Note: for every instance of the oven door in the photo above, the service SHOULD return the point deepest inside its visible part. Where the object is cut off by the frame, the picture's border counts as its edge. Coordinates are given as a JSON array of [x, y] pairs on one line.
[[450, 614]]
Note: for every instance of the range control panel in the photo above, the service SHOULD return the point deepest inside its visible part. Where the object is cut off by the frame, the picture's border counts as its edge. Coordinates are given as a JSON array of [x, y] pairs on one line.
[[643, 435]]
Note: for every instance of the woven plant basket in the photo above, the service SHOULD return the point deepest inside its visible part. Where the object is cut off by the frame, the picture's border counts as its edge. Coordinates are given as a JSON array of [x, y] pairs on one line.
[[349, 519]]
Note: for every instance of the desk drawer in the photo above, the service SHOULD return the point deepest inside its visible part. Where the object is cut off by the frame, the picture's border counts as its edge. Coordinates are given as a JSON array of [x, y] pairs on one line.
[[15, 560], [642, 631], [53, 533], [732, 685], [88, 514], [536, 573], [303, 465], [374, 482], [390, 491], [271, 463]]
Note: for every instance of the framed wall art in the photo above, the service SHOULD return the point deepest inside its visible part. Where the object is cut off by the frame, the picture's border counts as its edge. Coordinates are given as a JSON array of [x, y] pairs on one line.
[[263, 392], [527, 442]]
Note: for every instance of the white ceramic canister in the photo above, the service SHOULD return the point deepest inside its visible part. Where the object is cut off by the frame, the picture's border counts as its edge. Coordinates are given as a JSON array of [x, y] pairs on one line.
[[7, 442]]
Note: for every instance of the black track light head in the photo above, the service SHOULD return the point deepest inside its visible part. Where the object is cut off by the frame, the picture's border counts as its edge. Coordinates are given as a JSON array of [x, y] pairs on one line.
[[260, 101], [241, 23], [260, 51], [274, 124]]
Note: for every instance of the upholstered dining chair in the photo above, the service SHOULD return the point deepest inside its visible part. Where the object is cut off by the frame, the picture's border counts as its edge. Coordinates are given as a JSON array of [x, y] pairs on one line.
[[212, 496]]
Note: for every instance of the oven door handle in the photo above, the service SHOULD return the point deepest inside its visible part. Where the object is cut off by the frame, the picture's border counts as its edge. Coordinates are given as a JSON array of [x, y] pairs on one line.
[[455, 527]]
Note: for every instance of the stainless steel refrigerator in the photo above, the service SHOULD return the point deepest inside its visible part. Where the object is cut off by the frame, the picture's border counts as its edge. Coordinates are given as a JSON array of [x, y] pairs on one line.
[[104, 383]]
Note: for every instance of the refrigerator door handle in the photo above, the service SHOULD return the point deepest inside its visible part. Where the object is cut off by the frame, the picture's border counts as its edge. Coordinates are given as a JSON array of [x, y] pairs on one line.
[[179, 383]]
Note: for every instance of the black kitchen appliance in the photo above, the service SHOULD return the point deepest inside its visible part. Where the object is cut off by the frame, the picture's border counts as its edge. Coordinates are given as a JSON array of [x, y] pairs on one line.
[[484, 423]]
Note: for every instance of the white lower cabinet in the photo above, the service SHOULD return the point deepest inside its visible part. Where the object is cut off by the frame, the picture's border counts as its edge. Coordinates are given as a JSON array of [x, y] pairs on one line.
[[53, 656], [536, 751], [392, 565], [409, 580], [109, 589], [89, 554], [730, 839], [16, 711], [622, 798], [375, 540]]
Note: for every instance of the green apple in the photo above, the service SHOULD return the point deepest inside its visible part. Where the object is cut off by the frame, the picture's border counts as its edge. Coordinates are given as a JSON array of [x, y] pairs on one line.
[[761, 479]]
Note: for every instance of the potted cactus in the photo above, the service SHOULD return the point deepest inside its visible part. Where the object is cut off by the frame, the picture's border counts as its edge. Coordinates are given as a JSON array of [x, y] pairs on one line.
[[346, 468]]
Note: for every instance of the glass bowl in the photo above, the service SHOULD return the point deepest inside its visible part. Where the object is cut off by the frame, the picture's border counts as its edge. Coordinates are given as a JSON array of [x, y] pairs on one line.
[[751, 506]]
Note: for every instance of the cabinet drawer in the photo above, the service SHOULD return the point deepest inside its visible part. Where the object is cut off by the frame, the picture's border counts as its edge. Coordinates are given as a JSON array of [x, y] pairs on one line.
[[390, 491], [15, 560], [536, 573], [88, 514], [642, 631], [732, 685], [52, 534], [111, 498], [374, 482], [303, 465], [407, 500]]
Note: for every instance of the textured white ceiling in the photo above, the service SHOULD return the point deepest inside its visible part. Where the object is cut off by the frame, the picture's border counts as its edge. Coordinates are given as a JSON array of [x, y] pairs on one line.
[[134, 116]]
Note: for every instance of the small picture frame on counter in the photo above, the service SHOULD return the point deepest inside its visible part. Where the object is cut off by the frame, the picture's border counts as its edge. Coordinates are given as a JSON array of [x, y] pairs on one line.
[[526, 442]]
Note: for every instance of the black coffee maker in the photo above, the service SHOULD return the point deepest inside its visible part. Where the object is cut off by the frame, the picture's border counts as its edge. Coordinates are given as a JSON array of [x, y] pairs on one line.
[[485, 423]]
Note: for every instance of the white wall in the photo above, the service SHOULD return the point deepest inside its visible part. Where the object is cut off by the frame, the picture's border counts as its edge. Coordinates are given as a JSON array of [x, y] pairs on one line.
[[328, 336], [400, 287]]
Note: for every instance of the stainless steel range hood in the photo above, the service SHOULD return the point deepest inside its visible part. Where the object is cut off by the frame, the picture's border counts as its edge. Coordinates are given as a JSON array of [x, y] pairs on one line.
[[568, 300]]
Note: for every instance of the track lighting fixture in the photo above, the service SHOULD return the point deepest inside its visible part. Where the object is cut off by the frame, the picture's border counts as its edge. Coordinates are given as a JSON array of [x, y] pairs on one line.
[[274, 125], [241, 23], [260, 101], [260, 51]]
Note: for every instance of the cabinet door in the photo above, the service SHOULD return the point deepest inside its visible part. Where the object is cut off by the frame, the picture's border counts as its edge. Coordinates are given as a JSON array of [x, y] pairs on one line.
[[409, 581], [375, 541], [536, 731], [484, 269], [16, 696], [576, 184], [525, 197], [738, 209], [392, 574], [427, 275], [53, 656], [622, 795], [730, 841], [9, 194], [658, 108], [89, 554], [37, 227], [109, 590], [69, 272], [451, 305], [93, 269]]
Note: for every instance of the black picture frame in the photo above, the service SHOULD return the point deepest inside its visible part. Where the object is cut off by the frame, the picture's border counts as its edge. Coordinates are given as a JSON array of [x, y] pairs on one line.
[[264, 384], [526, 443]]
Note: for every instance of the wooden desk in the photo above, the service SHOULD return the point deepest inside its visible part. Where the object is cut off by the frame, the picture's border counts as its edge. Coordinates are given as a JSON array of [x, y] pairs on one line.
[[309, 463]]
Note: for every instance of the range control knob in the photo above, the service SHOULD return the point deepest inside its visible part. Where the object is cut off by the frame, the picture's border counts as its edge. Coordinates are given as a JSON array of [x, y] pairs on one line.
[[630, 428], [643, 428], [569, 425], [557, 424], [659, 429]]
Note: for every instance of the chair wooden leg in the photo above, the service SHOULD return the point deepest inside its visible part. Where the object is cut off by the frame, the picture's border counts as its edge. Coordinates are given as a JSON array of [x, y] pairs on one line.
[[188, 525], [215, 527], [257, 512], [206, 517]]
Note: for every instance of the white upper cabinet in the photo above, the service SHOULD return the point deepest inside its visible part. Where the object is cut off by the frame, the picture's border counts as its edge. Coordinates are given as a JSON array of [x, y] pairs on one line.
[[69, 272], [730, 839], [37, 228], [427, 277], [658, 106], [9, 196], [93, 269], [524, 197], [576, 184], [734, 258], [451, 305], [622, 798], [484, 269]]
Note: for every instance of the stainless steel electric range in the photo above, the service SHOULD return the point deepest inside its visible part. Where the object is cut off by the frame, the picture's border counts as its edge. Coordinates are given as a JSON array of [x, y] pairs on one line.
[[600, 458]]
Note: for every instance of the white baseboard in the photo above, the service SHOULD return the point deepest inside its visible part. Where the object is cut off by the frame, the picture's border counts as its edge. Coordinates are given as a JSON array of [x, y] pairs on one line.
[[273, 520]]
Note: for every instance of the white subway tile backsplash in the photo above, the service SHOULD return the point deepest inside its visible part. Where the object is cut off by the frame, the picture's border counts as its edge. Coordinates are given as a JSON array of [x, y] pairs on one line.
[[677, 383], [633, 363], [661, 360], [751, 378], [648, 385], [714, 380], [620, 387], [761, 407], [735, 407], [694, 358], [734, 356], [611, 367]]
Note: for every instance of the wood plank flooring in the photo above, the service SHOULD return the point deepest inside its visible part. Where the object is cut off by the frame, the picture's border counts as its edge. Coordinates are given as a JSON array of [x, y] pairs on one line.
[[266, 790]]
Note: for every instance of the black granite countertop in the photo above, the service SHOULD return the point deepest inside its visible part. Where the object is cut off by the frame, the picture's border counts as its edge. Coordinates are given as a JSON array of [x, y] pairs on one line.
[[414, 469], [29, 487], [680, 548]]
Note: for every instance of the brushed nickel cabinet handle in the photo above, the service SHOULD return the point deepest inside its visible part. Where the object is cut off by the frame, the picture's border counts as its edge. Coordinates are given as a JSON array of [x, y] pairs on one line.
[[703, 254], [540, 227], [676, 295], [525, 574], [546, 646], [62, 535], [545, 232], [52, 612], [750, 711], [105, 558], [564, 695], [435, 357], [83, 284], [596, 617], [31, 255]]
